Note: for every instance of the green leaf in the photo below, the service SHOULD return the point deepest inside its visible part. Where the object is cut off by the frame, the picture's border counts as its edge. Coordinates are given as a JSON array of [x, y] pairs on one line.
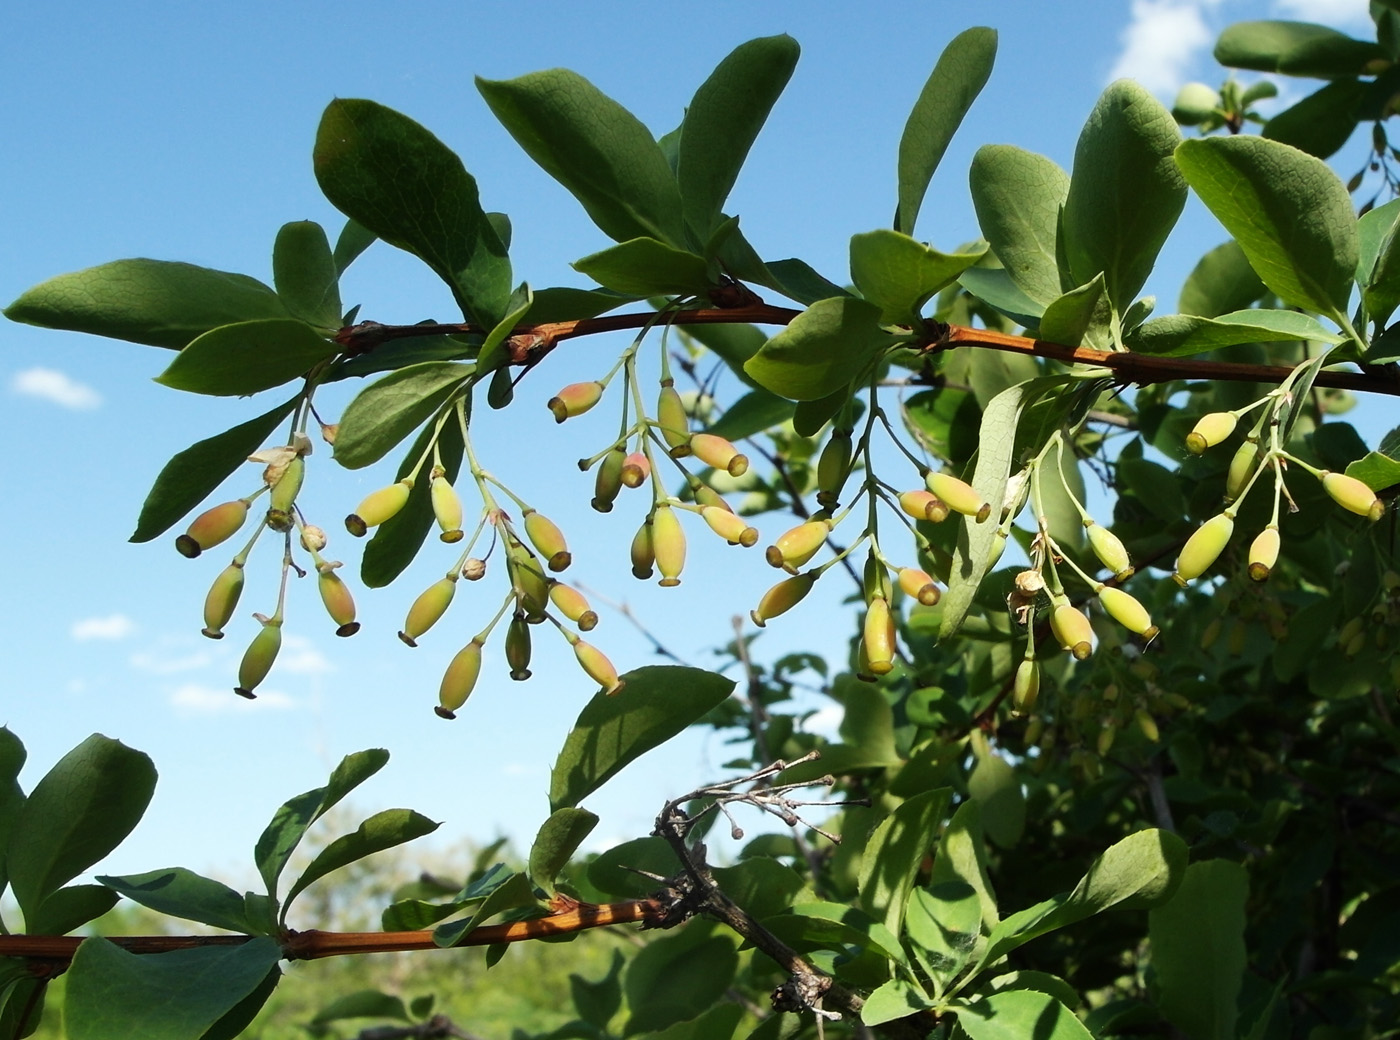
[[1294, 48], [282, 835], [183, 893], [646, 267], [1222, 281], [762, 887], [115, 995], [718, 1023], [558, 838], [1178, 335], [595, 148], [354, 239], [1380, 278], [810, 416], [898, 275], [493, 355], [304, 271], [756, 411], [12, 756], [1018, 196], [722, 121], [797, 279], [895, 852], [615, 871], [1125, 193], [388, 410], [823, 349], [515, 891], [653, 705], [734, 344], [1288, 211], [189, 477], [1068, 318], [945, 421], [383, 830], [1015, 1014], [566, 304], [826, 925], [1198, 951], [995, 787], [945, 923], [364, 1003], [242, 359], [677, 977], [156, 302], [957, 78], [390, 174], [1321, 123], [994, 287], [894, 999], [597, 1001], [81, 810], [1376, 471], [71, 908]]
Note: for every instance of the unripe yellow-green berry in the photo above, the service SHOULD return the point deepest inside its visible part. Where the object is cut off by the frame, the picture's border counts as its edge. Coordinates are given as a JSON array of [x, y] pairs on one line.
[[529, 581], [518, 648], [671, 417], [708, 496], [1210, 430], [222, 600], [636, 467], [1127, 611], [879, 637], [1263, 553], [1353, 633], [608, 482], [284, 493], [258, 658], [1147, 725], [1203, 548], [447, 507], [781, 598], [548, 540], [719, 453], [998, 547], [378, 507], [796, 547], [959, 495], [924, 505], [919, 584], [642, 552], [1073, 631], [458, 680], [340, 605], [212, 527], [1104, 744], [1026, 688], [668, 543], [1110, 551], [575, 399], [1241, 469], [875, 581], [833, 467], [572, 605], [430, 605], [728, 526], [1353, 495], [598, 667]]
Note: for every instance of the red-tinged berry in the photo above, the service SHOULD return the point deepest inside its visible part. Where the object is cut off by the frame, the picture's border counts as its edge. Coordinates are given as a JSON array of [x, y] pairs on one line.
[[335, 594], [1210, 430], [719, 453], [1263, 553], [378, 507], [575, 399], [668, 543], [636, 467], [608, 482], [1353, 495], [459, 679], [959, 495], [794, 548], [728, 526], [924, 505], [572, 604], [918, 584], [258, 658], [548, 540], [428, 608], [222, 600], [671, 417], [598, 667], [781, 598], [212, 527], [1203, 548]]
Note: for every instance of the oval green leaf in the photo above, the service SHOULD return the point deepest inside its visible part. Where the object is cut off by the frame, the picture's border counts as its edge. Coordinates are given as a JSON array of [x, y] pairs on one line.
[[387, 411], [646, 267], [1178, 335], [558, 838], [242, 359], [824, 348], [1018, 196], [304, 271], [898, 275]]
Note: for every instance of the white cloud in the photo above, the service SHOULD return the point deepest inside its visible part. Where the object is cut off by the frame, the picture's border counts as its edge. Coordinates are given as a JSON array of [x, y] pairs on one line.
[[194, 699], [299, 657], [1336, 13], [56, 387], [164, 664], [825, 721], [112, 627], [1161, 42]]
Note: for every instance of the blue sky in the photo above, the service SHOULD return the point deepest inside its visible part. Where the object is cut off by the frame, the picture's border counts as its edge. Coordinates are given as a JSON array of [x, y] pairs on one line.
[[180, 132]]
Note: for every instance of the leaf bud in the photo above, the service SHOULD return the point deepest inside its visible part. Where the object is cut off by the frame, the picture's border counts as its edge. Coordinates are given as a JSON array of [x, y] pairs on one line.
[[919, 584], [222, 600], [833, 466], [1203, 548], [924, 505], [548, 540], [959, 495], [378, 507], [636, 467], [518, 648], [1127, 611], [796, 547], [258, 658], [575, 399], [572, 605], [1073, 631], [598, 667], [608, 481], [1241, 469], [313, 538], [1110, 551], [474, 569], [671, 417], [668, 543], [728, 526], [1026, 688], [1353, 495], [879, 637], [447, 506], [1210, 430], [430, 605], [643, 552], [458, 680], [1263, 553], [335, 594], [719, 453], [782, 597], [212, 527]]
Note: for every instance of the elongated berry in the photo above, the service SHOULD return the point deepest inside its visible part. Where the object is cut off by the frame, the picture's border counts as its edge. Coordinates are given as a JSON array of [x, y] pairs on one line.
[[518, 648], [529, 581], [668, 543], [447, 507], [288, 486], [959, 495], [1026, 688], [708, 496], [1263, 553], [643, 552], [1073, 631], [575, 399], [379, 506], [459, 679], [608, 482], [998, 547], [719, 453], [335, 594], [781, 598], [796, 547], [428, 608], [548, 540], [833, 467], [212, 527], [222, 600], [1127, 611], [1110, 551], [924, 505], [1210, 430], [1241, 469], [728, 526], [1353, 495], [1147, 725], [875, 581], [1203, 548], [572, 604], [598, 667], [258, 658], [635, 469], [671, 417], [879, 637], [918, 584]]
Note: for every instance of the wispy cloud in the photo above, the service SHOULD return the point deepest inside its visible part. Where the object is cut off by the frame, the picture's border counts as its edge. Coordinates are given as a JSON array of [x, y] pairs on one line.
[[49, 384], [112, 627], [165, 664], [300, 657], [1162, 41], [1336, 13], [194, 699]]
